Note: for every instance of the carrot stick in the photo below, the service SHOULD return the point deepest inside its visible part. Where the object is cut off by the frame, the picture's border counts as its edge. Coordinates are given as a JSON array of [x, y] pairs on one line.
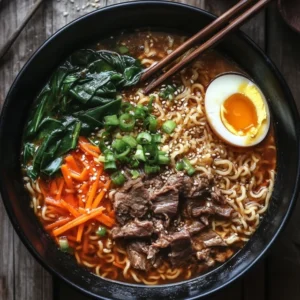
[[84, 187], [60, 188], [67, 176], [57, 223], [106, 220], [53, 202], [71, 163], [101, 194], [53, 188], [88, 148], [78, 221], [70, 208], [93, 191], [84, 175], [79, 233]]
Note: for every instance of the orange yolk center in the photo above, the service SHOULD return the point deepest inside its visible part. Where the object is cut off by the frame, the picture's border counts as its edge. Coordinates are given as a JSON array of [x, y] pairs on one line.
[[240, 112]]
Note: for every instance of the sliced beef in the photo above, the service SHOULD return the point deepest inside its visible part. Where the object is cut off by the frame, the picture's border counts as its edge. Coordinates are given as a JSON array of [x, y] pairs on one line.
[[131, 201], [223, 211], [181, 248], [133, 229], [165, 200], [203, 255], [195, 187], [194, 227], [137, 257], [223, 256], [217, 197], [207, 239]]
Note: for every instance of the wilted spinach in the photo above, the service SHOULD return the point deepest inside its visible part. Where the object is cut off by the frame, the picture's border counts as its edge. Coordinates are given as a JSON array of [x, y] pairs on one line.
[[74, 102]]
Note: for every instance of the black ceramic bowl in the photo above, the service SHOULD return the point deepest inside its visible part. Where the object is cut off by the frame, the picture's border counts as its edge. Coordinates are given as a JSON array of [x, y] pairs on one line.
[[91, 28]]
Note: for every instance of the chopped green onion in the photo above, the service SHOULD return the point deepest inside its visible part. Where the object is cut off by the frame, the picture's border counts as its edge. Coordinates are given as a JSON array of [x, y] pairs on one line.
[[144, 138], [134, 163], [188, 167], [139, 154], [101, 231], [151, 153], [119, 145], [123, 157], [163, 158], [127, 122], [179, 166], [153, 123], [110, 161], [169, 126], [101, 158], [167, 92], [127, 107], [63, 244], [129, 140], [156, 138], [111, 120], [118, 178], [139, 112], [135, 174], [123, 49], [151, 169]]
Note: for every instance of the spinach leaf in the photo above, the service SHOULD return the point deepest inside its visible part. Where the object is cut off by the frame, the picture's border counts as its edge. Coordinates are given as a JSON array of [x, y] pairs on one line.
[[74, 102]]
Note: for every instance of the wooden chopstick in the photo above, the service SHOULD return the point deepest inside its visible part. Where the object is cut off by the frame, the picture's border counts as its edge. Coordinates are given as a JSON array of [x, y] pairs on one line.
[[201, 35], [234, 25], [16, 33]]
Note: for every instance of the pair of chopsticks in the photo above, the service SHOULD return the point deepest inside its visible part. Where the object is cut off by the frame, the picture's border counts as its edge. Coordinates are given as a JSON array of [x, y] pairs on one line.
[[243, 5], [4, 49]]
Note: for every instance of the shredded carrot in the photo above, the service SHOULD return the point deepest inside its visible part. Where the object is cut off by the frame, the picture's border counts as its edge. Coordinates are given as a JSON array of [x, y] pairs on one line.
[[67, 176], [71, 199], [84, 175], [51, 201], [84, 187], [57, 223], [71, 163], [53, 188], [88, 148], [101, 194], [79, 233], [118, 265], [106, 220], [93, 191], [70, 208], [61, 184], [78, 221]]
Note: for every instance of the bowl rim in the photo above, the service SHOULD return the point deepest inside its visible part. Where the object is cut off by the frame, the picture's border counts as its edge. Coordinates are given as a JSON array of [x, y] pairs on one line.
[[240, 35]]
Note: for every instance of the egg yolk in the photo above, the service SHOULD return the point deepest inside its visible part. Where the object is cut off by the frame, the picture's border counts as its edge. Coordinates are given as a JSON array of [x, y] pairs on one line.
[[239, 113]]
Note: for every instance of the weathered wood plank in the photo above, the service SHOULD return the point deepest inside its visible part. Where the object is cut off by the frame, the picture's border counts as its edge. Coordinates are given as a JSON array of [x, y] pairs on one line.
[[283, 263]]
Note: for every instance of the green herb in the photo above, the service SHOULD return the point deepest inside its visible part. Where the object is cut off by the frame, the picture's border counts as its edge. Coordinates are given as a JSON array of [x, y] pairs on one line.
[[167, 92], [76, 101], [135, 174], [118, 178], [101, 231], [139, 154], [127, 122], [163, 158], [123, 49], [110, 161], [169, 126], [129, 140], [144, 138], [186, 165], [151, 169], [63, 244]]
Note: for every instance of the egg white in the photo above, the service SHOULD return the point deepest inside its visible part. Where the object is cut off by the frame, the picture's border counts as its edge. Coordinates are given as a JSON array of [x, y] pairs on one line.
[[219, 90]]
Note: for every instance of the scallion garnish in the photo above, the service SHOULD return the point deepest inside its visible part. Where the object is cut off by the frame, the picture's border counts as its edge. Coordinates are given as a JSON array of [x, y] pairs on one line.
[[130, 140], [152, 123], [151, 169], [139, 112], [110, 161], [169, 126], [156, 138], [144, 138], [101, 231], [135, 174], [111, 120], [119, 145], [127, 122], [139, 154], [118, 178], [123, 49], [163, 158], [63, 244]]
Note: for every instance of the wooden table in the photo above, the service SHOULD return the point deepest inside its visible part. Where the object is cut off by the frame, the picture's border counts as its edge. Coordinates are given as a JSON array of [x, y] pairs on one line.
[[277, 277]]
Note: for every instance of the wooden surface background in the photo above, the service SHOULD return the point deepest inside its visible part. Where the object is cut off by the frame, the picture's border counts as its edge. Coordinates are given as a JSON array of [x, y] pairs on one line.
[[277, 277]]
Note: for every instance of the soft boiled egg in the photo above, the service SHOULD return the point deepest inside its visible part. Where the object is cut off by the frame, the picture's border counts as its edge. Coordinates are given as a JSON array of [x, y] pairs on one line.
[[237, 110]]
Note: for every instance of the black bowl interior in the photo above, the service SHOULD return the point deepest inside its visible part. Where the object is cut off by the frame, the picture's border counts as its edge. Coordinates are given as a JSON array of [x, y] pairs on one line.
[[155, 14]]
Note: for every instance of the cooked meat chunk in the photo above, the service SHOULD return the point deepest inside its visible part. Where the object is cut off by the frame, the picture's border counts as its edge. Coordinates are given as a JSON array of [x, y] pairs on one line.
[[132, 229], [217, 197], [223, 256], [195, 187], [223, 211], [203, 255], [208, 239], [137, 257], [165, 200], [194, 227], [131, 201], [181, 248]]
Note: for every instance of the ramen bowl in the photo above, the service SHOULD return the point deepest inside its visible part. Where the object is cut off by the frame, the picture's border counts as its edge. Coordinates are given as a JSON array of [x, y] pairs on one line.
[[104, 22]]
